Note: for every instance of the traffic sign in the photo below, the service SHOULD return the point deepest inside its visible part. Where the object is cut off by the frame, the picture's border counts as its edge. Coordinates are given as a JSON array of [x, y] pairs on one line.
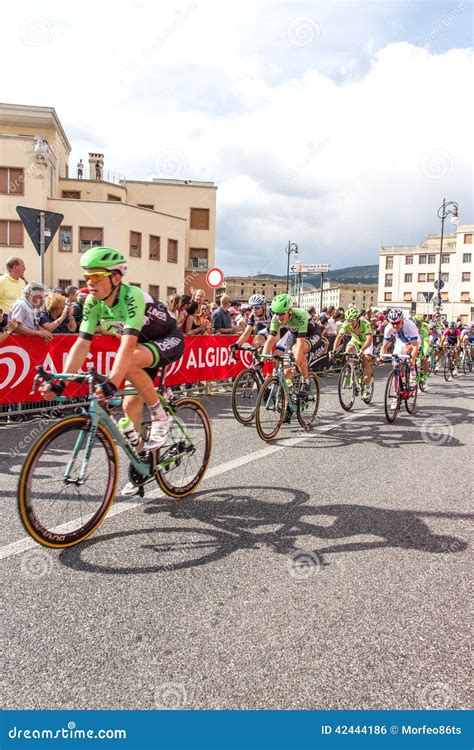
[[310, 268], [438, 284], [437, 301], [30, 218], [214, 277], [295, 268]]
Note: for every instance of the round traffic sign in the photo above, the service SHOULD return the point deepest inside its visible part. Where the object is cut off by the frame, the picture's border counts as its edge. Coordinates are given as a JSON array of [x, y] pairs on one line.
[[438, 284], [214, 277]]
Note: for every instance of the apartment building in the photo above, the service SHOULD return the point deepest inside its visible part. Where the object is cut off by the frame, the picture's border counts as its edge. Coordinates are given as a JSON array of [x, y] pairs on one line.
[[166, 228], [240, 288], [362, 296], [407, 275]]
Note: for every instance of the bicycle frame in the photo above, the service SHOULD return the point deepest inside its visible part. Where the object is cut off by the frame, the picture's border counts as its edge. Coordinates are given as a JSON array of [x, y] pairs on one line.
[[287, 360]]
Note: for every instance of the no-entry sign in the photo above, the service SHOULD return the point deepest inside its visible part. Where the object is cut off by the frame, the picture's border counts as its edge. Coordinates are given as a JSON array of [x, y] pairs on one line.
[[214, 277]]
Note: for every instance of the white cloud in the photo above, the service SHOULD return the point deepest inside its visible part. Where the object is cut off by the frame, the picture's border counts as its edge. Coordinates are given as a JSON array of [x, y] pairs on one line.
[[338, 165]]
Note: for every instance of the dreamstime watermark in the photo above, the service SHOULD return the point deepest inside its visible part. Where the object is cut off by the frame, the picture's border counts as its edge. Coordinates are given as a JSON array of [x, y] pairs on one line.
[[313, 149], [435, 696], [170, 163], [444, 24], [36, 31], [36, 564], [170, 696], [437, 164], [303, 31], [437, 431], [180, 18], [34, 433], [303, 564]]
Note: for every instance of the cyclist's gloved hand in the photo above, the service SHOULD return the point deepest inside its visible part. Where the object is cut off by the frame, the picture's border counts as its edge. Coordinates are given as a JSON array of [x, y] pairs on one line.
[[58, 387], [234, 347], [107, 389]]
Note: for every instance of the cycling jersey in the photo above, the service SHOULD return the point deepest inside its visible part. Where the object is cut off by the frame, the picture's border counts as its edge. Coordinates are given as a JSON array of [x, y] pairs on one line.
[[260, 322], [424, 331], [407, 333], [451, 334], [359, 337], [134, 313], [299, 323]]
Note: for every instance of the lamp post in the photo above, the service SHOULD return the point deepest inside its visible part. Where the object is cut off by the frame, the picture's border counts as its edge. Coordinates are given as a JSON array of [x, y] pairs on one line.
[[292, 247], [443, 213]]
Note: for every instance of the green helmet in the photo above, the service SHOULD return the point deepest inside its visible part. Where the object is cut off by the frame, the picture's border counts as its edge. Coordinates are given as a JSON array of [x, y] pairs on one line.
[[282, 303], [352, 314], [418, 318], [104, 257]]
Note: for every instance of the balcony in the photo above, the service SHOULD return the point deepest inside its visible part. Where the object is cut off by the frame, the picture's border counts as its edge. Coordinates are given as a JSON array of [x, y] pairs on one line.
[[71, 173]]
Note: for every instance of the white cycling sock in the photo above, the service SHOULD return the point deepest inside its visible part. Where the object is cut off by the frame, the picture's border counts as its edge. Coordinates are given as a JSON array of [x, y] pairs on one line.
[[157, 412]]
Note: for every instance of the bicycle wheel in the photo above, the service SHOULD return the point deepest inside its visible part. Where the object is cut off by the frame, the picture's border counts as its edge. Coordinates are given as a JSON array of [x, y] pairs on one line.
[[244, 396], [367, 399], [411, 392], [448, 367], [467, 363], [392, 397], [271, 407], [421, 378], [185, 455], [346, 388], [308, 405], [58, 511]]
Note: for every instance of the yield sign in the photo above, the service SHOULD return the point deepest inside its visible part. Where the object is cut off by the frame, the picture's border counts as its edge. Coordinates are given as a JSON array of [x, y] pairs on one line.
[[30, 219]]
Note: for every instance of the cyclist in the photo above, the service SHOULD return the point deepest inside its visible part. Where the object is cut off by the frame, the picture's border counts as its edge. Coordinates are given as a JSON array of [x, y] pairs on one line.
[[149, 338], [405, 333], [258, 322], [361, 341], [451, 337], [467, 337], [304, 335], [424, 333], [435, 332]]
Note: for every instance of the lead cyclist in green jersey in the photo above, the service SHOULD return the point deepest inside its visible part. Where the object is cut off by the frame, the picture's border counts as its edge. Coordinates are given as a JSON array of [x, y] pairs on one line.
[[361, 342], [149, 338]]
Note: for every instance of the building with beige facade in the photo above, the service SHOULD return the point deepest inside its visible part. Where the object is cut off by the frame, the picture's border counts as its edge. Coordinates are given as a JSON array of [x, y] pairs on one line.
[[362, 296], [407, 275], [240, 288], [166, 228]]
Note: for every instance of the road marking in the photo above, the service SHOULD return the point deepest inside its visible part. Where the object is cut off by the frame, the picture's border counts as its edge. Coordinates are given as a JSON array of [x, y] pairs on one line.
[[27, 543]]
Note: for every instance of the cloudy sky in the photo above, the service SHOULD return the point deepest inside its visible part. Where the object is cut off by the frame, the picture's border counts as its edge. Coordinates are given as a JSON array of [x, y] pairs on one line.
[[337, 125]]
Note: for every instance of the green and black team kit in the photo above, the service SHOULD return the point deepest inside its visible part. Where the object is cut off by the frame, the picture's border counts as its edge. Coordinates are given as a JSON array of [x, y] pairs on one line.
[[299, 326], [358, 336], [136, 313]]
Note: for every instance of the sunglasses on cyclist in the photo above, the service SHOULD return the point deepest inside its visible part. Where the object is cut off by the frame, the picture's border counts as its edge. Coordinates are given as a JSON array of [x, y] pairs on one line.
[[398, 323], [97, 276], [281, 315], [256, 307]]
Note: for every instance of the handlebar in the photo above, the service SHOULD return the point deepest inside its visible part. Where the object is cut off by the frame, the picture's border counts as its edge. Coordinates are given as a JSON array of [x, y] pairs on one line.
[[92, 377]]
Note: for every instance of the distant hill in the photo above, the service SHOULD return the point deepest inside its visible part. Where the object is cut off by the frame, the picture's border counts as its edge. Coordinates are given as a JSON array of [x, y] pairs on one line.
[[351, 275]]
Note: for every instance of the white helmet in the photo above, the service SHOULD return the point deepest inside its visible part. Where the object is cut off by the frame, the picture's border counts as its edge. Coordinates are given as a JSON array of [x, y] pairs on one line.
[[257, 299], [395, 315]]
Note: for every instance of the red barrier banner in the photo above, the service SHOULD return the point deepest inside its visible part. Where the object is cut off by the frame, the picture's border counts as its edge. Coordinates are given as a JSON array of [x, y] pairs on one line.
[[204, 358]]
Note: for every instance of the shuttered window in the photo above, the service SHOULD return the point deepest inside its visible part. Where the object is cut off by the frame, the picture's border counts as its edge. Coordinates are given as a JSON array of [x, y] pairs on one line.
[[12, 180], [65, 239], [198, 257], [170, 290], [90, 237], [199, 218], [172, 251], [11, 233], [154, 248], [135, 244], [154, 290]]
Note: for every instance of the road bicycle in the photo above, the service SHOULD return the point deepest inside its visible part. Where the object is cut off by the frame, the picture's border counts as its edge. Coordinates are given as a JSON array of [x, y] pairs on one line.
[[69, 479], [449, 364], [432, 360], [246, 387], [351, 382], [421, 374], [399, 388], [280, 398], [465, 360]]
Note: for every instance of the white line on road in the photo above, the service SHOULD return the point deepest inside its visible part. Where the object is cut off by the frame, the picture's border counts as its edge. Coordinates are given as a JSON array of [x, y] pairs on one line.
[[22, 545]]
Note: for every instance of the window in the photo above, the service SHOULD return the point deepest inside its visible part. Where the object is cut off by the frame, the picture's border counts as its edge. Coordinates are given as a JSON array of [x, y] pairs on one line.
[[408, 260], [388, 280], [468, 239], [430, 277], [199, 218], [81, 283], [154, 290], [444, 297], [389, 262], [445, 258], [134, 283], [445, 277], [465, 297], [407, 296], [422, 259], [424, 296], [135, 244], [466, 276], [154, 248], [11, 233], [63, 283], [198, 257], [172, 251], [466, 257], [408, 278], [65, 239], [146, 205], [170, 290], [431, 259], [76, 194], [422, 277], [12, 181], [111, 197], [387, 297], [90, 237]]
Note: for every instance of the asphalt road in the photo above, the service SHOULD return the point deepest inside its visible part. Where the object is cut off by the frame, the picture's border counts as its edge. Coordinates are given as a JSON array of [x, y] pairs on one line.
[[326, 570]]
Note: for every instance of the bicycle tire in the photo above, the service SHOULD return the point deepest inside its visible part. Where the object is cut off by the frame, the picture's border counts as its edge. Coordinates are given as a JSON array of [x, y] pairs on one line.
[[447, 370], [250, 378], [466, 363], [308, 421], [346, 371], [422, 378], [164, 476], [271, 390], [391, 414], [411, 393], [53, 537]]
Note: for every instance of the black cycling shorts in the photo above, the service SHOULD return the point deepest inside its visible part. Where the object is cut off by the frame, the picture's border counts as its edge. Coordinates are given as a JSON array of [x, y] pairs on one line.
[[165, 351]]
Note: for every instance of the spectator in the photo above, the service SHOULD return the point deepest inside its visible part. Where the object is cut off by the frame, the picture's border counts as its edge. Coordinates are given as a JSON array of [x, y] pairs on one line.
[[12, 284], [205, 318], [312, 312], [98, 171], [192, 324], [26, 312], [213, 307], [10, 328], [222, 319], [80, 169], [185, 302], [71, 293], [172, 303], [199, 296], [58, 316]]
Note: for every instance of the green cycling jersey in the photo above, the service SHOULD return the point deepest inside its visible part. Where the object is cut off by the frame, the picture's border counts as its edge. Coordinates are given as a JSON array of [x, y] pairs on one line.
[[358, 335], [298, 323]]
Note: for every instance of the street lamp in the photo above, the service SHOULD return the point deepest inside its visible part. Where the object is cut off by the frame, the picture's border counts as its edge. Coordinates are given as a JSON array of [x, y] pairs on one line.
[[292, 247], [443, 213]]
